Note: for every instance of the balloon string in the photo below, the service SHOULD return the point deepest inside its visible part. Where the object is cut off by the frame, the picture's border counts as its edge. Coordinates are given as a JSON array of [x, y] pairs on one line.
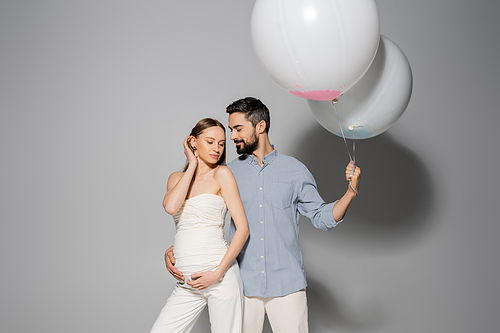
[[343, 137], [353, 157]]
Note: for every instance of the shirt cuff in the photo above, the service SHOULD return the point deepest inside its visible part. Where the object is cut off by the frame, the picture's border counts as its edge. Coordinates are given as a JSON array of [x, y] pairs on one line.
[[327, 212]]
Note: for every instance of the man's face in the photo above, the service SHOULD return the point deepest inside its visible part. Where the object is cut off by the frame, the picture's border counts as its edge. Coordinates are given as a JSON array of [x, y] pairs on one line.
[[243, 133]]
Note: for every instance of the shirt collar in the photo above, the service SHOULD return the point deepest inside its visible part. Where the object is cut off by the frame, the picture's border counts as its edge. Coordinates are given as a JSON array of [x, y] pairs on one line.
[[266, 160]]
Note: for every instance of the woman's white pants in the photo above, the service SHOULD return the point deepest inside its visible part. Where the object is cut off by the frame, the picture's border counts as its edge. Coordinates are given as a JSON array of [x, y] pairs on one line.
[[184, 306]]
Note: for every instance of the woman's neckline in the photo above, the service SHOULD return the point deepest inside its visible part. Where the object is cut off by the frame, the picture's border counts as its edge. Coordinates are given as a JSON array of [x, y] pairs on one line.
[[215, 195]]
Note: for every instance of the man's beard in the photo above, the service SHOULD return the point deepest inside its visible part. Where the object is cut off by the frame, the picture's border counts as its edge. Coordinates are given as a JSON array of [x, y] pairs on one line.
[[248, 148]]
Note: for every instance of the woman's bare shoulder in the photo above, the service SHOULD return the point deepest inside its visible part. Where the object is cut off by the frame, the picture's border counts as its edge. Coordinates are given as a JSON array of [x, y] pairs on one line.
[[174, 179], [222, 171], [223, 174], [175, 175]]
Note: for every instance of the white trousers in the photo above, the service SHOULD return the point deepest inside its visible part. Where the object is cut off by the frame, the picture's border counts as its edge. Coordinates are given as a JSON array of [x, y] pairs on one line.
[[184, 306], [286, 314]]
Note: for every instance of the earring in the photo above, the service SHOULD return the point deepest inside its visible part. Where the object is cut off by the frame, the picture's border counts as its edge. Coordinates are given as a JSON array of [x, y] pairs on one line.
[[195, 153]]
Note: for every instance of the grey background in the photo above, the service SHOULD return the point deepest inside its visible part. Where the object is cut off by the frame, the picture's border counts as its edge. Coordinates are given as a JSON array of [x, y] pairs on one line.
[[96, 97]]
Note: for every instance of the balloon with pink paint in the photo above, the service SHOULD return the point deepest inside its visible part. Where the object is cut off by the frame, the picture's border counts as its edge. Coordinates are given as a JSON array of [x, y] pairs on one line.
[[315, 49], [376, 102]]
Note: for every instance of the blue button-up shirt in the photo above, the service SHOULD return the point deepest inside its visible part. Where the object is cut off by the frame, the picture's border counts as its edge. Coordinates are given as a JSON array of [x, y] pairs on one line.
[[273, 196]]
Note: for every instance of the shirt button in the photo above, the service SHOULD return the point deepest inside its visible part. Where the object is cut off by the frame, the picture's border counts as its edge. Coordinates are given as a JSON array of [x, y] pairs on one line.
[[260, 205], [262, 239], [260, 188], [261, 257], [260, 173], [262, 272], [261, 222]]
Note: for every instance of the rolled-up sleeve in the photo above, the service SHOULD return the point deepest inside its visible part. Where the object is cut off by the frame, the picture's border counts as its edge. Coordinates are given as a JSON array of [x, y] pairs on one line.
[[311, 205]]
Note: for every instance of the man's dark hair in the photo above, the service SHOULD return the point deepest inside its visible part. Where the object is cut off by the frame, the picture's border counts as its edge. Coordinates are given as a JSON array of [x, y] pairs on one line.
[[255, 111]]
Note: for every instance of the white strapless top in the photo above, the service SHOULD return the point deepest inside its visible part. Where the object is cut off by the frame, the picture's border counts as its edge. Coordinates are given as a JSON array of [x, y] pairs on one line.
[[199, 243]]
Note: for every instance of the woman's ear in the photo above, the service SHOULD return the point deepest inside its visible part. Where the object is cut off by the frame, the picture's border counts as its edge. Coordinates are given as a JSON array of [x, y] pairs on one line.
[[192, 143]]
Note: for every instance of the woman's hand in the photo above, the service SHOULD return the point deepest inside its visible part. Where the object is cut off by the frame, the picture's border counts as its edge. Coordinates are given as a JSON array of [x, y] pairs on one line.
[[204, 280], [191, 157]]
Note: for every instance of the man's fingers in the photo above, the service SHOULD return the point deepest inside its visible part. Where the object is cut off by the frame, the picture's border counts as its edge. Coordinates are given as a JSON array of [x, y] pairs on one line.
[[357, 172], [351, 172], [174, 272], [170, 256], [178, 277]]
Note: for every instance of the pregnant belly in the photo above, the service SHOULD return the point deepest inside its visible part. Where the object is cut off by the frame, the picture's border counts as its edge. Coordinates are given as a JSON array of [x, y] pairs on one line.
[[198, 250]]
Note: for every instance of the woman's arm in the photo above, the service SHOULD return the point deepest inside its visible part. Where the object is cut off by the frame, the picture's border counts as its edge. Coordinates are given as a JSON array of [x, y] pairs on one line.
[[179, 182], [231, 196]]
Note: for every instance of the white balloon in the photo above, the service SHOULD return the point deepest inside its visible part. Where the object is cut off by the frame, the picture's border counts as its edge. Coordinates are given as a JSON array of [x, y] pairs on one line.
[[376, 102], [316, 49]]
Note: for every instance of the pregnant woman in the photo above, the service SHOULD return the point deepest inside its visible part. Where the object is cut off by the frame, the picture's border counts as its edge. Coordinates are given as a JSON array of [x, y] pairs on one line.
[[198, 198]]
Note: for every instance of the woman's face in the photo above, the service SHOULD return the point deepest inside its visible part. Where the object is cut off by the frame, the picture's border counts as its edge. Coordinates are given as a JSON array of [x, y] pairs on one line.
[[210, 144]]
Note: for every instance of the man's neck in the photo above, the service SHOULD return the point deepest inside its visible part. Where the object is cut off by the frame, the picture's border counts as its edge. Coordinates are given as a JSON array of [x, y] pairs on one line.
[[263, 149]]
